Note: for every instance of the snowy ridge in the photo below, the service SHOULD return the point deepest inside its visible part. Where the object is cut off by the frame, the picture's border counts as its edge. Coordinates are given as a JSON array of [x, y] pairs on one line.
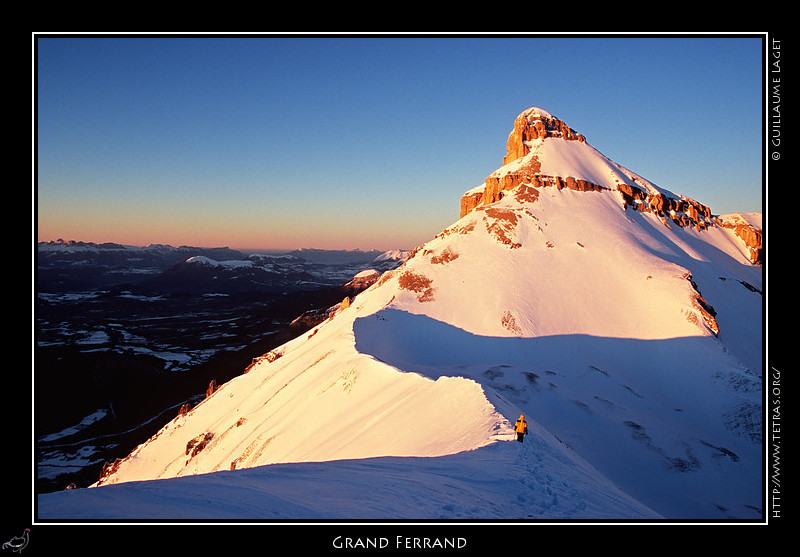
[[632, 347], [203, 260], [393, 255]]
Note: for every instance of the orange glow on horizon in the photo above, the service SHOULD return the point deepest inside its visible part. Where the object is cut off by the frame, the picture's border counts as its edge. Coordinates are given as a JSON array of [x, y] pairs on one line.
[[349, 239]]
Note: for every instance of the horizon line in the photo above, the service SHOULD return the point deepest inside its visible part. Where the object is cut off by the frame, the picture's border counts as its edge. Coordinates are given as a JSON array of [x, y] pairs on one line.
[[247, 249]]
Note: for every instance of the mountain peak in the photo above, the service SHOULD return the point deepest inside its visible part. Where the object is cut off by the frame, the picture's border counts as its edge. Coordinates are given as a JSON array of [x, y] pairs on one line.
[[543, 151], [535, 123]]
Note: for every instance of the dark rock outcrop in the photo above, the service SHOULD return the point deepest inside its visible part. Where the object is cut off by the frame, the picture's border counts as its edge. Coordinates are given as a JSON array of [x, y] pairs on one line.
[[197, 444]]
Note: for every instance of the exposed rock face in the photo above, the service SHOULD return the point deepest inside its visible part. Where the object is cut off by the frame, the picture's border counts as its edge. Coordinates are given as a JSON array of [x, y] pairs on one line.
[[705, 309], [470, 200], [108, 469], [270, 356], [212, 388], [751, 235], [497, 185], [198, 443], [501, 224], [536, 124], [416, 282], [533, 124], [444, 257], [682, 211]]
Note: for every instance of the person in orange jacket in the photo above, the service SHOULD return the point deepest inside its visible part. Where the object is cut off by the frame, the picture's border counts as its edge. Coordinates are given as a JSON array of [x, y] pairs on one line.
[[521, 427]]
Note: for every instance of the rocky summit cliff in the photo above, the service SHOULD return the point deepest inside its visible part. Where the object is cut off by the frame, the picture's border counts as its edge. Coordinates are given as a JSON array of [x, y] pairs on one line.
[[528, 148], [624, 321]]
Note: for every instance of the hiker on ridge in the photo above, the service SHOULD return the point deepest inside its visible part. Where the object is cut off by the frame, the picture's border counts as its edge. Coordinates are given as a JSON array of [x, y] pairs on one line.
[[521, 427]]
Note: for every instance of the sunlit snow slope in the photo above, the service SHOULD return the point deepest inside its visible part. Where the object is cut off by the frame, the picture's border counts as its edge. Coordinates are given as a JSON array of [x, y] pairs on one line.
[[631, 343]]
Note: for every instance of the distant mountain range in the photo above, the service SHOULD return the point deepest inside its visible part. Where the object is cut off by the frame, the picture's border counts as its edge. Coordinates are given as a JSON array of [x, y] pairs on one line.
[[76, 266]]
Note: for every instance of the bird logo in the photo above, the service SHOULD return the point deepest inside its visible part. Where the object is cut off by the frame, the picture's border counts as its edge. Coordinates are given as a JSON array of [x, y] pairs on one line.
[[18, 543]]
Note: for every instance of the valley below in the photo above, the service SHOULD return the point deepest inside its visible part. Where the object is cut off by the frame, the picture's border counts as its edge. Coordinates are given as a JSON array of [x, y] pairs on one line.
[[116, 358]]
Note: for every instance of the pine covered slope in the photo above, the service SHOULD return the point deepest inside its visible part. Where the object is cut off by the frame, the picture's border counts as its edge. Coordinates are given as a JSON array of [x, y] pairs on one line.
[[624, 321]]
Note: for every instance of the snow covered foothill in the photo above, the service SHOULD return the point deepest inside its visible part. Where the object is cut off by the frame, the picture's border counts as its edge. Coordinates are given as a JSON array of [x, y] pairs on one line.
[[500, 482], [203, 260], [632, 347], [393, 255]]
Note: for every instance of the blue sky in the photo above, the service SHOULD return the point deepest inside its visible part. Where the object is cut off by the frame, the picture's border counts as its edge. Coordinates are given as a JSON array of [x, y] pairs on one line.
[[364, 142]]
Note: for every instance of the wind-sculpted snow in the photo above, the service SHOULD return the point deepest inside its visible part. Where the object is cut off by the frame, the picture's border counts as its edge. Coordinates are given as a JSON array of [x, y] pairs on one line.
[[637, 410], [500, 482], [319, 401]]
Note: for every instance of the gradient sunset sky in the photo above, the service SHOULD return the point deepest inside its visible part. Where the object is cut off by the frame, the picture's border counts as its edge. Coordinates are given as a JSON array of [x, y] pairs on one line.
[[275, 142]]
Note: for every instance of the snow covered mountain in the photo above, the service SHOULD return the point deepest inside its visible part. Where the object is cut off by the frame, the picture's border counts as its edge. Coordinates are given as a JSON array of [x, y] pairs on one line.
[[75, 266], [624, 321], [264, 273]]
